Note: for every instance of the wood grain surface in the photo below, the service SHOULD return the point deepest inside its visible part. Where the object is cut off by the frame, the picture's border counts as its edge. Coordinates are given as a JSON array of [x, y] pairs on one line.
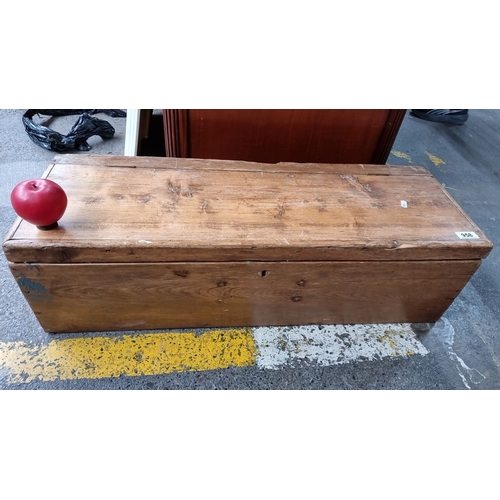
[[140, 209], [274, 135], [105, 297]]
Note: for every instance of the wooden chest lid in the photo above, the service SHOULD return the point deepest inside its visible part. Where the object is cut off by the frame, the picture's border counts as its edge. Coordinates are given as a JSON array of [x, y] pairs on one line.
[[145, 209]]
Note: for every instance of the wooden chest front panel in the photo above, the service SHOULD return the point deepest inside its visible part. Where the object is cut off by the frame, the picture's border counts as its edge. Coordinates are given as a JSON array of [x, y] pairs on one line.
[[102, 297]]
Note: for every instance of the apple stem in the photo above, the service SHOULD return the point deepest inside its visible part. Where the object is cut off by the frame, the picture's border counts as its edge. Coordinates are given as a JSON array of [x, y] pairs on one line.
[[49, 227]]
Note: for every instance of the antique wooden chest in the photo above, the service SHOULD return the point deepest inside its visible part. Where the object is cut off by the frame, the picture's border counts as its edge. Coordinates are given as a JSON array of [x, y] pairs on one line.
[[152, 243]]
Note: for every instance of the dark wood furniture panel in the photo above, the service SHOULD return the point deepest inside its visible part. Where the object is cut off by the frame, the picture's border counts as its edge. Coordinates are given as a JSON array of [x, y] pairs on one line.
[[292, 135]]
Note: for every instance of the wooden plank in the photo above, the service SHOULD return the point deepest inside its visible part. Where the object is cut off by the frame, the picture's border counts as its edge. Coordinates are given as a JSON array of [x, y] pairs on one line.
[[151, 214], [221, 165], [105, 297]]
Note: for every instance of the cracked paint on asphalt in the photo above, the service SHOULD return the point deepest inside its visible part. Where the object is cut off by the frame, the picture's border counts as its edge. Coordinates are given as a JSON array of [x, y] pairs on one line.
[[400, 154], [166, 352], [334, 344], [126, 355]]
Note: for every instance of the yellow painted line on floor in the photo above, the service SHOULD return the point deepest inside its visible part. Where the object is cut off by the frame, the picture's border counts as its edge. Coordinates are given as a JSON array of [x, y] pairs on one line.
[[437, 161], [161, 353], [400, 154], [126, 355]]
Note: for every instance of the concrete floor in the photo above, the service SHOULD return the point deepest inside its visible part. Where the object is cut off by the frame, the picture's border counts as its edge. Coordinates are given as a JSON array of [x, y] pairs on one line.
[[461, 351]]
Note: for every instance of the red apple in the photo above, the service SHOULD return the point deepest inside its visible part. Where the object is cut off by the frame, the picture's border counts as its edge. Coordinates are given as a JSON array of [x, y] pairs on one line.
[[39, 201]]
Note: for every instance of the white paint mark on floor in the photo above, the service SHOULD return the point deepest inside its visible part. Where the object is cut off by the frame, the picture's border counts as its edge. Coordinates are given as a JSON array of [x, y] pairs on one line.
[[334, 344], [446, 334]]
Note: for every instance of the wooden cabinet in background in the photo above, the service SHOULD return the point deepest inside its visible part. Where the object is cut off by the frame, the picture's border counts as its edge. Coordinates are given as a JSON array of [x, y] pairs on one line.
[[284, 135]]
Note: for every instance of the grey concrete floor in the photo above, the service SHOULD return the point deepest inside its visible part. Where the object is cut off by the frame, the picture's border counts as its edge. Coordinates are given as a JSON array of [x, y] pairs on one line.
[[464, 346]]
